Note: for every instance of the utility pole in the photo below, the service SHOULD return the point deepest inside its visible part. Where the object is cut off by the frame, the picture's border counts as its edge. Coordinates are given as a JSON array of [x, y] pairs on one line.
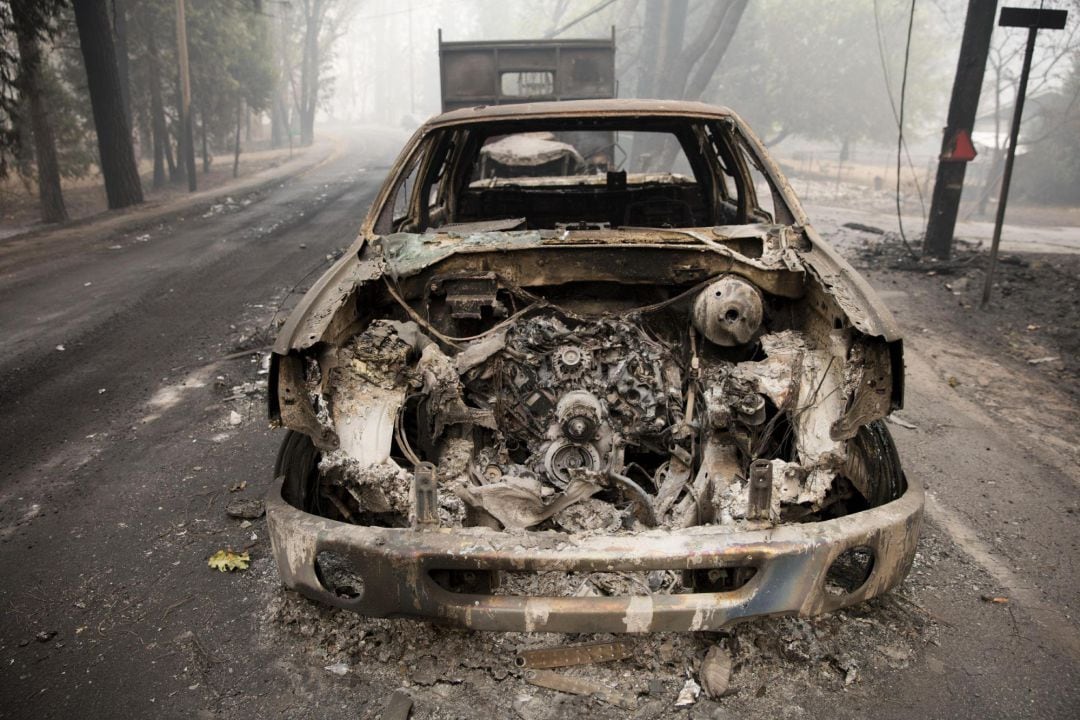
[[186, 139], [1033, 20], [945, 204]]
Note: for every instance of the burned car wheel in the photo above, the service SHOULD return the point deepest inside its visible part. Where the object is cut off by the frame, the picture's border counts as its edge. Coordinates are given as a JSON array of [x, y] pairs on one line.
[[535, 396], [874, 460]]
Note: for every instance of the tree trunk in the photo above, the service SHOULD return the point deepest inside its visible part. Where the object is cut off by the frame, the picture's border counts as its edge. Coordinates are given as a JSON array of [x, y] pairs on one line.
[[309, 71], [647, 74], [169, 161], [119, 8], [277, 121], [710, 61], [157, 110], [122, 186], [181, 163], [236, 144], [672, 35], [30, 85], [650, 48], [184, 82], [205, 151]]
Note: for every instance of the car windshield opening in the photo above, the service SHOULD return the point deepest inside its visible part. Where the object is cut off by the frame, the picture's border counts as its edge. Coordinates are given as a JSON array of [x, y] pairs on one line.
[[581, 173]]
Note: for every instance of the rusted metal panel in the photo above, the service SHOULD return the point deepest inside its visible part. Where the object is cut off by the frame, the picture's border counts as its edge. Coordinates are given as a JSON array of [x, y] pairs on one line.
[[294, 406], [581, 686], [574, 655]]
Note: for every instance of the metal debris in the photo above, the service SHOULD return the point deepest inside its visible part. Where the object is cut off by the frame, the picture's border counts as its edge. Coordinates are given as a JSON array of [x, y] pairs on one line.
[[574, 655], [581, 686]]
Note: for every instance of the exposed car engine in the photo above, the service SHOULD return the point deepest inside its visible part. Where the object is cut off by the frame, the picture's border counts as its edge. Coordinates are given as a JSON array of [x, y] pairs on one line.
[[689, 411]]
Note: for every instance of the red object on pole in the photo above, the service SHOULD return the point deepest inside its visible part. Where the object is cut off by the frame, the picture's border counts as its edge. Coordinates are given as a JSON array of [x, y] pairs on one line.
[[961, 149]]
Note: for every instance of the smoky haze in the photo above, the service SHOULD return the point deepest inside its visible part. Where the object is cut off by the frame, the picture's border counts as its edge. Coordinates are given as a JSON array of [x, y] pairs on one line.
[[819, 81]]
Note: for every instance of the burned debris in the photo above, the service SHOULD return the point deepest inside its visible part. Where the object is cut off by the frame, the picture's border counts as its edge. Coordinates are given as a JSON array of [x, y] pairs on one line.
[[556, 420], [462, 390]]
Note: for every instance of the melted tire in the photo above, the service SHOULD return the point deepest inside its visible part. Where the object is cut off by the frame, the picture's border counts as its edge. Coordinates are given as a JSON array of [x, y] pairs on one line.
[[298, 462], [880, 462]]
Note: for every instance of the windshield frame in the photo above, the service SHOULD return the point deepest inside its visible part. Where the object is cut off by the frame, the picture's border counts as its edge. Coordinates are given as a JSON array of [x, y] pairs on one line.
[[733, 146]]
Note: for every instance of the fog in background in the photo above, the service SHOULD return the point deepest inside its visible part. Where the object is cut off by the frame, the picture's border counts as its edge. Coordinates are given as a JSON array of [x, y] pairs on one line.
[[819, 80], [826, 84]]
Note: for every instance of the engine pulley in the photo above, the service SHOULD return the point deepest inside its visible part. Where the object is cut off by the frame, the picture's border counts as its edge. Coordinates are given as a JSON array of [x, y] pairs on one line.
[[563, 457]]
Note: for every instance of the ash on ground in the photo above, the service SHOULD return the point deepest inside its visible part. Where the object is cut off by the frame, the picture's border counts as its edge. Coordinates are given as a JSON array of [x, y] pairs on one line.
[[1034, 309], [450, 673]]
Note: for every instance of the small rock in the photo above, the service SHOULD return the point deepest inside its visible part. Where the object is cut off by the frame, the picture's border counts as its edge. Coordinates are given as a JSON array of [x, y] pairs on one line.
[[530, 707], [423, 672], [399, 705], [715, 672], [248, 509], [894, 652], [689, 694], [340, 669], [235, 418], [424, 677], [656, 686], [60, 348], [45, 635]]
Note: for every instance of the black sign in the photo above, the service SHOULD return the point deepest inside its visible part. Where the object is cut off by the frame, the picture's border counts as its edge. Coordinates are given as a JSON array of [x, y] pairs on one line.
[[1032, 18]]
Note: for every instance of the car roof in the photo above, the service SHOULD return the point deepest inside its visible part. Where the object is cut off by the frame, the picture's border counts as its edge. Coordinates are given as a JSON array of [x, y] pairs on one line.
[[579, 108]]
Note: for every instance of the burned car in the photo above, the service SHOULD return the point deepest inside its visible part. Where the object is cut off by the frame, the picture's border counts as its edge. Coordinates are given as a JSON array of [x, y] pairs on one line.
[[645, 397]]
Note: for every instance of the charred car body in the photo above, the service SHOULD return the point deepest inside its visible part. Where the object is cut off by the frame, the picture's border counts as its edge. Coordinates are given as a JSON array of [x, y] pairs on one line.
[[635, 399]]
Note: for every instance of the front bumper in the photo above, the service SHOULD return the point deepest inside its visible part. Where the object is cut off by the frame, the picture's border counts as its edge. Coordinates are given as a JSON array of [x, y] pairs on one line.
[[791, 563]]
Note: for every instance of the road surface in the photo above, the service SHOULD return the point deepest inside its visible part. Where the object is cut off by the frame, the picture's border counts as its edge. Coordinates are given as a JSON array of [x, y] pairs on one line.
[[133, 416]]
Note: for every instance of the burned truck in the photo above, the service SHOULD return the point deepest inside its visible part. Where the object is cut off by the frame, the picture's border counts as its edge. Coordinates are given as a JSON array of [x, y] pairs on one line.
[[592, 401], [500, 72]]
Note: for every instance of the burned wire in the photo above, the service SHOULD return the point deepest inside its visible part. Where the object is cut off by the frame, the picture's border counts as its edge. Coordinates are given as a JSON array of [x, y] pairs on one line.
[[898, 115]]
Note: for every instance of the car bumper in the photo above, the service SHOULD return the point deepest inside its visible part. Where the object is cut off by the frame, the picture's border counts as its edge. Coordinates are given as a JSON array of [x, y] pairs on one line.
[[791, 563]]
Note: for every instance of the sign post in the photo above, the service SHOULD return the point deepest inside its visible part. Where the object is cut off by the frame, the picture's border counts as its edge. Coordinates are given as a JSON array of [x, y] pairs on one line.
[[1034, 19]]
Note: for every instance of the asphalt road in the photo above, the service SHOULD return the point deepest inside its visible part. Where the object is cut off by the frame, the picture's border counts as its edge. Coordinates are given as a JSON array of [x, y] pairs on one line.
[[122, 449]]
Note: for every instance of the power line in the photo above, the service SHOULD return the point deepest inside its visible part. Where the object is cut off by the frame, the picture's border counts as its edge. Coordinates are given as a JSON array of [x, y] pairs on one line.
[[578, 19], [900, 122], [898, 116]]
